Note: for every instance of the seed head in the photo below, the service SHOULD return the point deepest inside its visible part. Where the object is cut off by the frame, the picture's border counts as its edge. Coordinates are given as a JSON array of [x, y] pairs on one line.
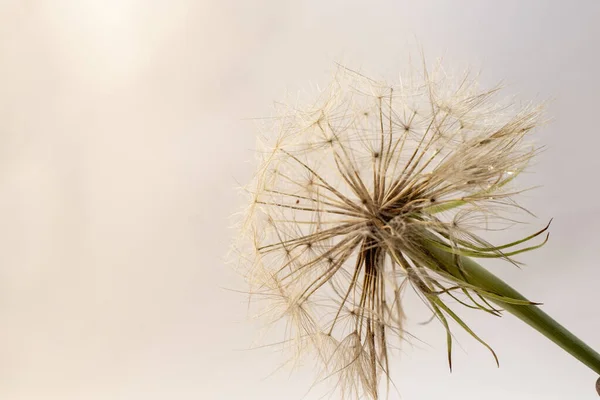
[[350, 194]]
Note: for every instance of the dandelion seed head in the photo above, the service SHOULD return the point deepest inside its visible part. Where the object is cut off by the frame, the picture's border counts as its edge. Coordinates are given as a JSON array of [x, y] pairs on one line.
[[349, 188]]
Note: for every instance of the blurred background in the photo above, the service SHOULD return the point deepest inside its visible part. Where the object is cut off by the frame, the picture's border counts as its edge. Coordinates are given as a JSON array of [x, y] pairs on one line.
[[124, 132]]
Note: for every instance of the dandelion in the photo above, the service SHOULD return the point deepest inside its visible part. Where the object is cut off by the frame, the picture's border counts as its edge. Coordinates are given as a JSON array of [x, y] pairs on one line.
[[377, 188]]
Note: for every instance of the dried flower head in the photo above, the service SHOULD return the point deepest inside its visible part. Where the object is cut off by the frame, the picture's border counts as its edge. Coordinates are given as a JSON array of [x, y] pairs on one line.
[[356, 194]]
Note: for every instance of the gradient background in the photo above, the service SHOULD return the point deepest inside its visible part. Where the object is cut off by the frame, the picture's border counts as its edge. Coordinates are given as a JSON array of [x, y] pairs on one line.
[[123, 137]]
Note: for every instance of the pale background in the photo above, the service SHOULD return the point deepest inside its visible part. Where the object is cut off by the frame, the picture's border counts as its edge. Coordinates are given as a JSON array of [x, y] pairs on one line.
[[123, 137]]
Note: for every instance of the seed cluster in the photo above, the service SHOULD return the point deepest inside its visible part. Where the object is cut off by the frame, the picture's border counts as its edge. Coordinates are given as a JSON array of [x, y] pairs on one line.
[[351, 193]]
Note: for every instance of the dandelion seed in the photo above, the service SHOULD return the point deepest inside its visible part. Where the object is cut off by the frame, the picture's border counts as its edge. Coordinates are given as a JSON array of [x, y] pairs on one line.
[[357, 197]]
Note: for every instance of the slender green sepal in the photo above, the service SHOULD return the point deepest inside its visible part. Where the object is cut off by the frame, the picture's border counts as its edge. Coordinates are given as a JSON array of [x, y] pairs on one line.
[[463, 268]]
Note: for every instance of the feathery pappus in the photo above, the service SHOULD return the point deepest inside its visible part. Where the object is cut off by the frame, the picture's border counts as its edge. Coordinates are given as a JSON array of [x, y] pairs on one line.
[[355, 194]]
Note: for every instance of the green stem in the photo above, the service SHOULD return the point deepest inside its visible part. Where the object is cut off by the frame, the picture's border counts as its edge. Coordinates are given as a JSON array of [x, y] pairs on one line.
[[531, 314]]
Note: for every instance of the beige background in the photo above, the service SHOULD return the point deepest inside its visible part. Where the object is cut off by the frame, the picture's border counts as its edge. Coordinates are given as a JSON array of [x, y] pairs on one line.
[[122, 138]]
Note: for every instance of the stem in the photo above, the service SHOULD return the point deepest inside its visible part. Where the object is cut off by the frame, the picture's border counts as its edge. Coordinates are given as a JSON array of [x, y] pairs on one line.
[[531, 314]]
